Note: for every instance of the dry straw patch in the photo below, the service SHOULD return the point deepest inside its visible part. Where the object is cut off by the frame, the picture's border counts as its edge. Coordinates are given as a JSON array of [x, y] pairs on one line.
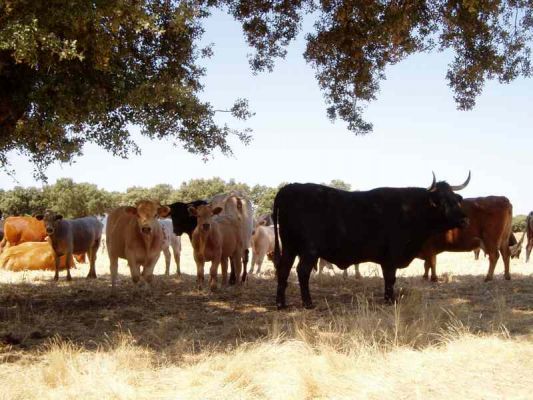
[[460, 338]]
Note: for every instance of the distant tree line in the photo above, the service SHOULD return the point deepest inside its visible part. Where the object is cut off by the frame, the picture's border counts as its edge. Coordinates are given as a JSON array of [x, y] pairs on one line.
[[74, 200]]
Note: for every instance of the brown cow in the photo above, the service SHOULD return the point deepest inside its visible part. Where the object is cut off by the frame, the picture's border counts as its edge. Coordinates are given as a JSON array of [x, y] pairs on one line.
[[22, 229], [489, 227], [135, 234], [31, 256], [514, 246], [73, 236], [216, 238], [529, 230]]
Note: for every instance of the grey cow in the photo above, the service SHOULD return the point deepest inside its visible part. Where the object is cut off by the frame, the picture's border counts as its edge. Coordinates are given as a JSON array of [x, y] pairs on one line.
[[68, 236]]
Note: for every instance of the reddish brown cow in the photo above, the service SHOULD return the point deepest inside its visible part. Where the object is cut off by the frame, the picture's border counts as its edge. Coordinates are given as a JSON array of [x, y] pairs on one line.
[[489, 227], [31, 256], [22, 229], [216, 238]]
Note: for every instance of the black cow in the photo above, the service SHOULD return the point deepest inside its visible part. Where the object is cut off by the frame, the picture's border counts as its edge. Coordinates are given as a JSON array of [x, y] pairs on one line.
[[385, 225]]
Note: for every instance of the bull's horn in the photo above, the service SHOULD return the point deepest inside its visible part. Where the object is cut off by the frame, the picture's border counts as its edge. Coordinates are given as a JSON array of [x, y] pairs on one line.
[[433, 183], [465, 184]]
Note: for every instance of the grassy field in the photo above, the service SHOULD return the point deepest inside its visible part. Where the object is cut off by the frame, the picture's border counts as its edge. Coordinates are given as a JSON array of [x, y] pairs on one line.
[[456, 339]]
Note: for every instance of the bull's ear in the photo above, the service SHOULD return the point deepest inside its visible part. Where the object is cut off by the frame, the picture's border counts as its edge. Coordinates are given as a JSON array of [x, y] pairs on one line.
[[131, 210], [192, 211], [40, 217], [58, 217], [217, 210], [163, 211]]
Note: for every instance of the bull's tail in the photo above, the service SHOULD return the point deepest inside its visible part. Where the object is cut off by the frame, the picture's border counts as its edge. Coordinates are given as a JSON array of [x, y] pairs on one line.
[[277, 252]]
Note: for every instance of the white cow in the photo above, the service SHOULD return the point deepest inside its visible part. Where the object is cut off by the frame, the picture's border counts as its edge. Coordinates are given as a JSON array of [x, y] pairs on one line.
[[326, 264], [170, 241]]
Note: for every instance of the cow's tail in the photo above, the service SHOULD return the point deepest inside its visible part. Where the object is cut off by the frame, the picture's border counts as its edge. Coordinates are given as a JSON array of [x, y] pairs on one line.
[[277, 252]]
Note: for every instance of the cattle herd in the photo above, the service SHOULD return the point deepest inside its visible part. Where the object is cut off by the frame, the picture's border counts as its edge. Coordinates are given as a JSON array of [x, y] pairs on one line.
[[318, 224]]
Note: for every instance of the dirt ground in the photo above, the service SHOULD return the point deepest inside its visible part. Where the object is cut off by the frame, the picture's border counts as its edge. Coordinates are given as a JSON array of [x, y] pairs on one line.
[[178, 321]]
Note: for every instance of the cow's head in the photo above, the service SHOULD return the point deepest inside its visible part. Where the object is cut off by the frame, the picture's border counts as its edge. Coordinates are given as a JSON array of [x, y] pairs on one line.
[[51, 221], [147, 212], [446, 205], [182, 221], [204, 214]]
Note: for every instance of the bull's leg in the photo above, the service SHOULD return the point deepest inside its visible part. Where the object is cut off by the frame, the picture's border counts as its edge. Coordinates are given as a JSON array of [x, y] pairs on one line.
[[282, 271], [506, 255], [68, 261], [529, 247], [357, 273], [245, 258], [177, 259], [493, 259], [166, 253], [304, 268], [389, 276], [224, 268], [113, 269], [92, 262]]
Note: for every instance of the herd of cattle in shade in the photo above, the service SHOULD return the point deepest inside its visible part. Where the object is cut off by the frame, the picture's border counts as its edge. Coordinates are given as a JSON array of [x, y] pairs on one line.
[[318, 224]]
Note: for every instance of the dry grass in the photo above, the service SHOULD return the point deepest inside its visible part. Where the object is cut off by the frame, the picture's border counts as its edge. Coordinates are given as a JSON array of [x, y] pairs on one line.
[[459, 338]]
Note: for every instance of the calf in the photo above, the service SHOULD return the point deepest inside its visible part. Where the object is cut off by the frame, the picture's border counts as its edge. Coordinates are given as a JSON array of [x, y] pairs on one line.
[[216, 238], [170, 241], [135, 234], [31, 256], [72, 236], [262, 244]]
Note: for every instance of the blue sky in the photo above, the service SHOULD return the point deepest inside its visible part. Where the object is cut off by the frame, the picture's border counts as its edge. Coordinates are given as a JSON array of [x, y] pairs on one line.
[[417, 129]]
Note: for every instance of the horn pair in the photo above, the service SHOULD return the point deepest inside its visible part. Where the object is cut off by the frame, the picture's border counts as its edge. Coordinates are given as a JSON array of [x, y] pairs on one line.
[[454, 188]]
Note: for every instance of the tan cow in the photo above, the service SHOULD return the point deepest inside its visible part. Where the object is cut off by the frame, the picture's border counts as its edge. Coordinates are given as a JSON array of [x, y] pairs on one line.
[[216, 238], [135, 234], [262, 244], [31, 256], [171, 242]]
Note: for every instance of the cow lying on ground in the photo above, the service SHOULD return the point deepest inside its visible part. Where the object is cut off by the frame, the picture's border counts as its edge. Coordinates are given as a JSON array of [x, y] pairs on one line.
[[529, 230], [216, 238], [31, 256], [262, 245], [135, 234], [22, 229], [489, 227], [326, 264], [73, 236], [386, 225], [170, 241]]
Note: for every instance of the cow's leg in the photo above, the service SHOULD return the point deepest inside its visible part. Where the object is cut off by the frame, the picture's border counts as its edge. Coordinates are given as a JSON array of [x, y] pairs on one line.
[[254, 261], [238, 263], [92, 262], [493, 259], [232, 271], [56, 261], [260, 259], [148, 271], [529, 247], [113, 269], [213, 274], [389, 276], [244, 264], [135, 270], [68, 261], [166, 253], [345, 273], [200, 273], [283, 270], [304, 268], [476, 253], [506, 255], [3, 243], [357, 273], [177, 259], [430, 263], [224, 268]]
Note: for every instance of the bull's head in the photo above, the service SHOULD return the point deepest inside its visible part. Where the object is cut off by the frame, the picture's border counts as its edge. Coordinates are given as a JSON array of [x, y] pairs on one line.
[[204, 214], [51, 221], [447, 205], [147, 212]]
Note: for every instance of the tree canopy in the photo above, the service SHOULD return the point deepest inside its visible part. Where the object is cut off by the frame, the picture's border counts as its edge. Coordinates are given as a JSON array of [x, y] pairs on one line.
[[84, 71]]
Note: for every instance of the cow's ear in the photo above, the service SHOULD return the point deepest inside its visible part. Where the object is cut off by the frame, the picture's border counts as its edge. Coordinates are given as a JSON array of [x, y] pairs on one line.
[[262, 222], [58, 217], [163, 211], [217, 210], [40, 217], [192, 211], [131, 210]]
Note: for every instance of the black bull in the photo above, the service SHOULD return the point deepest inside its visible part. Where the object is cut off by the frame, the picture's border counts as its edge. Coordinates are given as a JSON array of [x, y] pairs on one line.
[[385, 225]]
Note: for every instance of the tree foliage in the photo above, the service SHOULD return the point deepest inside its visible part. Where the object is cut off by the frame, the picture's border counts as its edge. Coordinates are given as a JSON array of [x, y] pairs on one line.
[[83, 71]]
